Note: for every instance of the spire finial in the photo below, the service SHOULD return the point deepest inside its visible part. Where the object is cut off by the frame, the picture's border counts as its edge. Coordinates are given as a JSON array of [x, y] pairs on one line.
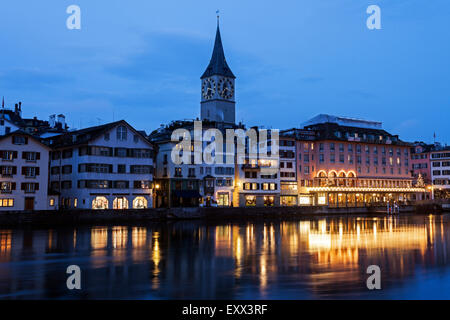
[[218, 16]]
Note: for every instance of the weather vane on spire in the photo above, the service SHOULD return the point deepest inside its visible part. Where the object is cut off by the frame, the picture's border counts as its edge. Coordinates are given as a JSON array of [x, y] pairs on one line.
[[217, 12]]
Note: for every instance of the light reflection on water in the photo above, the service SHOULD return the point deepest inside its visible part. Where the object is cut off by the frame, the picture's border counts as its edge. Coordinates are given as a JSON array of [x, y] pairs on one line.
[[307, 259]]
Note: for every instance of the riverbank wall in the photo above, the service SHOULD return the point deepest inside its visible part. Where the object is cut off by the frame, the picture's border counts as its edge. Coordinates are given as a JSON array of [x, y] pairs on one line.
[[91, 217]]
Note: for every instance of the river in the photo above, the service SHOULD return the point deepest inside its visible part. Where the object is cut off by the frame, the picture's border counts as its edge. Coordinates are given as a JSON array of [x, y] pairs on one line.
[[321, 258]]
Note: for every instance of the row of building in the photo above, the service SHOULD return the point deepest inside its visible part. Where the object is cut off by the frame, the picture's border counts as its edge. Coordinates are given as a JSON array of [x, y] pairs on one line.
[[329, 161]]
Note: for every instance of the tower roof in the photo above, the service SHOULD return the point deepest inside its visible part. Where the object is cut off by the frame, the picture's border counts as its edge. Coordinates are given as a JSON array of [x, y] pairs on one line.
[[218, 64]]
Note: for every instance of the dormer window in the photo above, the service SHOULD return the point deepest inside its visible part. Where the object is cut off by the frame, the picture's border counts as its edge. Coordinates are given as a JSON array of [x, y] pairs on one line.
[[121, 133]]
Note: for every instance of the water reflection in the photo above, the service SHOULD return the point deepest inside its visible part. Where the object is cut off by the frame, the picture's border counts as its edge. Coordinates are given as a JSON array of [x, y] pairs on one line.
[[318, 258]]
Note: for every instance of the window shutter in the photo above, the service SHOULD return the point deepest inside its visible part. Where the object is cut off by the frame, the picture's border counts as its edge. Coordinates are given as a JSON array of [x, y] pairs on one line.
[[38, 155], [22, 186], [14, 170], [26, 140], [110, 168], [23, 170], [13, 186], [24, 155], [14, 154], [37, 171], [36, 186]]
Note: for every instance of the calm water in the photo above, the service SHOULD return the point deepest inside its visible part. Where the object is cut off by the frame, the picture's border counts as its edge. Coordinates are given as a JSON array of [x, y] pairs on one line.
[[307, 259]]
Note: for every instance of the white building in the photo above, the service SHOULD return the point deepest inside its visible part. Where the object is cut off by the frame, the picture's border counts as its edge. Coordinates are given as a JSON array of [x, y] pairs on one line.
[[258, 180], [24, 173], [6, 126], [440, 172], [288, 171], [190, 184], [103, 167]]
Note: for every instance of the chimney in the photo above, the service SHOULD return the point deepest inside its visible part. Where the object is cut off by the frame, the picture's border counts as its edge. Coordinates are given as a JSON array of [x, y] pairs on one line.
[[16, 108], [20, 106], [52, 120], [62, 121]]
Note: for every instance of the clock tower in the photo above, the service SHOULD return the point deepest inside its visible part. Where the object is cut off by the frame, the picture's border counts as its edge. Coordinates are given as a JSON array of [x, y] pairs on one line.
[[217, 87]]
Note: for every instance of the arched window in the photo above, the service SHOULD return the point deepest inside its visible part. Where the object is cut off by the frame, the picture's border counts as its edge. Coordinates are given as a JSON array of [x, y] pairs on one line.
[[139, 203], [332, 178], [100, 203], [121, 133], [341, 180], [120, 203]]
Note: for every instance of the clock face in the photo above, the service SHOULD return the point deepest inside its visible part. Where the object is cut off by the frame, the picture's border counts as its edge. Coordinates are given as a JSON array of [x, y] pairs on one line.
[[208, 88], [225, 88]]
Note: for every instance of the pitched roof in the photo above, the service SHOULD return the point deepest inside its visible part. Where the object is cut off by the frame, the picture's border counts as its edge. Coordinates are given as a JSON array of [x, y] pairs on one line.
[[218, 64], [23, 133], [83, 136]]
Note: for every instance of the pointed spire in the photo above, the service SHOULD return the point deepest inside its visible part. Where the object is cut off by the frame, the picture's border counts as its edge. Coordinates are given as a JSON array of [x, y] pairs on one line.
[[218, 64]]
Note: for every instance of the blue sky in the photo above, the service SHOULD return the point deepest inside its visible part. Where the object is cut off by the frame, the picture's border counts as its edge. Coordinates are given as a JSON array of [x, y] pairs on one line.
[[141, 61]]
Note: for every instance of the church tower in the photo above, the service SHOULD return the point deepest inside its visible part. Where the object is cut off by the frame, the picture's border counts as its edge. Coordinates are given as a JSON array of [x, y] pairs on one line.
[[217, 86]]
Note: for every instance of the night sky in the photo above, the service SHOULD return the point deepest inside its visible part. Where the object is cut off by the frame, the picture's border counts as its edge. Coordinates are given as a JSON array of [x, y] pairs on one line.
[[141, 61]]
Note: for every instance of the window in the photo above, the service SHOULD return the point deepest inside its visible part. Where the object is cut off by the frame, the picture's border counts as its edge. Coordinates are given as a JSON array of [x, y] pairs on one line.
[[99, 203], [6, 202], [332, 158], [7, 187], [30, 172], [139, 203], [142, 184], [67, 169], [18, 140], [30, 187], [8, 155], [67, 154], [332, 146], [250, 201], [269, 201], [321, 158], [141, 169], [31, 156], [121, 168], [121, 133], [191, 172], [178, 172], [66, 184], [341, 158], [8, 170], [341, 147], [136, 138], [51, 202], [121, 184], [120, 152]]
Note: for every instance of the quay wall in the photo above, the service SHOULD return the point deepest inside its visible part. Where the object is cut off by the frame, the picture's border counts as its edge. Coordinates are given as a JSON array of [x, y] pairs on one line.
[[92, 217]]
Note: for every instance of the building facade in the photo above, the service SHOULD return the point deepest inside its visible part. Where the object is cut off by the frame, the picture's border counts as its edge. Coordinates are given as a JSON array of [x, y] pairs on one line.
[[440, 173], [104, 167], [24, 174], [352, 163]]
